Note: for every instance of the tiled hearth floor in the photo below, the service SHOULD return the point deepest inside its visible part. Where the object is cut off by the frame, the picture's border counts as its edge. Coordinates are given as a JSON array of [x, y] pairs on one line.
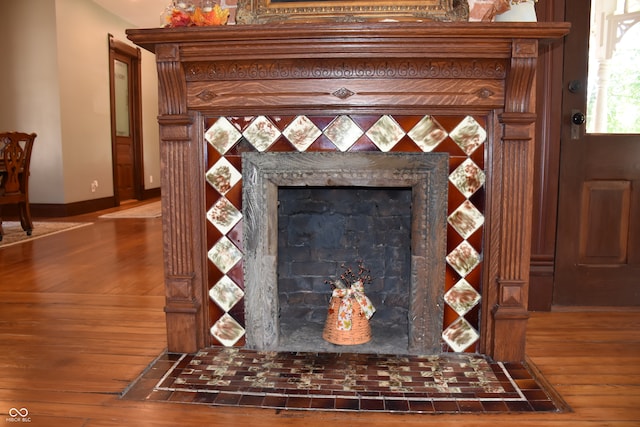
[[449, 383]]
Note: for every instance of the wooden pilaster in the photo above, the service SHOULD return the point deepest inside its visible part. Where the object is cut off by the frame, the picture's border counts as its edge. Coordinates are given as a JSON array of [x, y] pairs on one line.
[[180, 209]]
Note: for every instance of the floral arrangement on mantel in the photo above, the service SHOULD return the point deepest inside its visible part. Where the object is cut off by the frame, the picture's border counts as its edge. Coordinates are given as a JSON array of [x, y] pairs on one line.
[[349, 290], [188, 14], [487, 10]]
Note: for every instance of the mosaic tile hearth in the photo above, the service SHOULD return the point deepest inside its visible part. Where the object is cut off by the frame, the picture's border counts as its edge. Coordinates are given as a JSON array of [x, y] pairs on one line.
[[443, 384], [462, 137]]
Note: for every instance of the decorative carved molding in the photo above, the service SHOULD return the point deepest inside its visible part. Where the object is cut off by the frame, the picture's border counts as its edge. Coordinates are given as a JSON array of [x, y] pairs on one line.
[[520, 80], [356, 68], [485, 93], [254, 95], [343, 93], [523, 48], [206, 95], [511, 293], [171, 78], [181, 289]]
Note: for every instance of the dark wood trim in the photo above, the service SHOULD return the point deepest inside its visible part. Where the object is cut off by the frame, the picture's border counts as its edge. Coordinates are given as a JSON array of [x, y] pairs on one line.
[[151, 193], [547, 162], [541, 282], [55, 210], [70, 209], [122, 47], [352, 35], [116, 48]]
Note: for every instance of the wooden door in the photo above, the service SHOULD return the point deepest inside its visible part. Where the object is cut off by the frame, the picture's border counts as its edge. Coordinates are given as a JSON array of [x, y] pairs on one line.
[[598, 236], [125, 121]]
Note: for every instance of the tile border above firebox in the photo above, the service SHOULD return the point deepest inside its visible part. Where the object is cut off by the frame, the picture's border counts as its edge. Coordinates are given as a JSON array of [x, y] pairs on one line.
[[424, 173]]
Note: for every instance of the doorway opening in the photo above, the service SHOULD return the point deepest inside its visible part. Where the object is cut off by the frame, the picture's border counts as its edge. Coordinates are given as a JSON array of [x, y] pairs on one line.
[[126, 118]]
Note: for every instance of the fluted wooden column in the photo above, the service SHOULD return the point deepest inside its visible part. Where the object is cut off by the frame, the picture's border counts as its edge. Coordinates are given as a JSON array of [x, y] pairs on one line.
[[180, 159], [514, 159]]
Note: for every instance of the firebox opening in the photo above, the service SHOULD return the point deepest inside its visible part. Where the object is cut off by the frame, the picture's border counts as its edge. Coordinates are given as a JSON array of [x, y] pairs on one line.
[[424, 180], [322, 229]]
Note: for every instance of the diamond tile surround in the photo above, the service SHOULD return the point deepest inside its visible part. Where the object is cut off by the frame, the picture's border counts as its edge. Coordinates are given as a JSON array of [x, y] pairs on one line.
[[224, 254], [302, 132], [385, 133], [261, 133], [343, 132], [226, 293], [223, 176], [463, 137], [427, 134], [224, 215], [223, 135], [462, 297]]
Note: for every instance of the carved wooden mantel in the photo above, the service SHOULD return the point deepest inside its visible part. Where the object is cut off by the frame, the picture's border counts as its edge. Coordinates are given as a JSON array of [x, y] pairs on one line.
[[389, 68]]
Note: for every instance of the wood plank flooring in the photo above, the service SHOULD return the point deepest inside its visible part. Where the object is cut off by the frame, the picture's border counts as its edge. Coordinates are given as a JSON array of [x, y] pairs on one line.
[[81, 316]]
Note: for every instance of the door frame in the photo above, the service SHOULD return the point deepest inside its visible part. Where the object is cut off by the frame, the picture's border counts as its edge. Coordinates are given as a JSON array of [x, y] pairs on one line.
[[118, 48], [547, 161]]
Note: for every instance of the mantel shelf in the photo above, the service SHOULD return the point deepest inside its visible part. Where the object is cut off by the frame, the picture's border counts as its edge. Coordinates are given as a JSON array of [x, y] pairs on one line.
[[468, 33]]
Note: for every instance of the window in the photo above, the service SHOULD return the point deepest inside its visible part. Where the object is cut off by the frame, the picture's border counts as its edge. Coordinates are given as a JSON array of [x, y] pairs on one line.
[[613, 92]]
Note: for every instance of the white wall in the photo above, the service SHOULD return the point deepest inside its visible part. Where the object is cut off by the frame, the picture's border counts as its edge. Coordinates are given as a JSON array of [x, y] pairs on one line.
[[56, 83], [30, 92]]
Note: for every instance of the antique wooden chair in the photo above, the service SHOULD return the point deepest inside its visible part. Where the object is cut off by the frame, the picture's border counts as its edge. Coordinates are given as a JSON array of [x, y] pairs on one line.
[[15, 157]]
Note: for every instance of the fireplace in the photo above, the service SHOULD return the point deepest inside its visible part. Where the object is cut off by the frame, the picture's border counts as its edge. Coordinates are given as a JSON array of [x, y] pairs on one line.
[[424, 178], [226, 91], [323, 231]]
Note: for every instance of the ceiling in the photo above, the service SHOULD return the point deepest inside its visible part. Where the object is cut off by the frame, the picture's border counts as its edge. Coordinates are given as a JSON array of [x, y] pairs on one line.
[[140, 13]]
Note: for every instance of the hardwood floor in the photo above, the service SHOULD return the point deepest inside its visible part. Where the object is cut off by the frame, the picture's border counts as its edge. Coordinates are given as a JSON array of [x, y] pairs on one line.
[[81, 316]]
